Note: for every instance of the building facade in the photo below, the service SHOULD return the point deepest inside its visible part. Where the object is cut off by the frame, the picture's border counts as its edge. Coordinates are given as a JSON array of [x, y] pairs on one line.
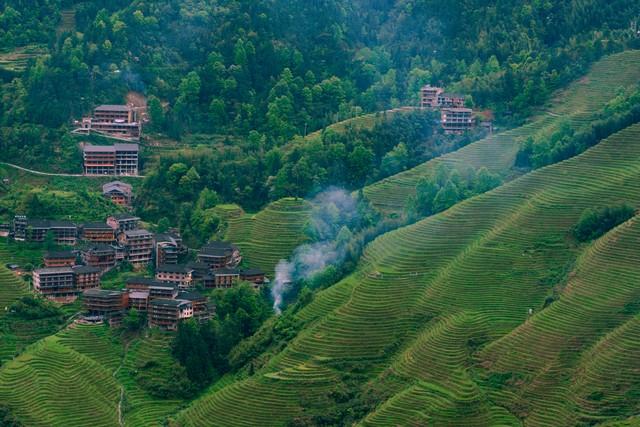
[[55, 283], [86, 277], [116, 121], [180, 275], [100, 256], [104, 303], [167, 313], [139, 246], [117, 159], [457, 120], [123, 222], [59, 259], [219, 255], [118, 192], [98, 232]]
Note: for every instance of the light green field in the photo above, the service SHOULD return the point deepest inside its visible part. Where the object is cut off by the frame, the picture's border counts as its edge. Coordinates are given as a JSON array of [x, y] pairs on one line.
[[16, 60], [442, 307], [270, 235], [577, 104]]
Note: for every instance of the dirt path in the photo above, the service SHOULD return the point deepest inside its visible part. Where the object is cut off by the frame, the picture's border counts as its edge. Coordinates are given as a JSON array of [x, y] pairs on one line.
[[115, 373], [72, 175]]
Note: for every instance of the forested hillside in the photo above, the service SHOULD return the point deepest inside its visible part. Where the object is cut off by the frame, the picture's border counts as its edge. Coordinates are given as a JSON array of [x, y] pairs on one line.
[[415, 277]]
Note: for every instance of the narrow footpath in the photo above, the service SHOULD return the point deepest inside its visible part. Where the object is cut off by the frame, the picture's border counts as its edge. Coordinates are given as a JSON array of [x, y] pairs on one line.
[[72, 175]]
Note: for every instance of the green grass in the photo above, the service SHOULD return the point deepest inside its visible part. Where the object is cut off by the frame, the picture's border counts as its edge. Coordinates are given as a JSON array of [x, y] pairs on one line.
[[577, 104], [270, 235], [441, 304]]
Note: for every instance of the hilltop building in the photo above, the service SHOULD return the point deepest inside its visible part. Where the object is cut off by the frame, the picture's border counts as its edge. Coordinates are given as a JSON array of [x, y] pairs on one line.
[[117, 159], [118, 192], [114, 121], [429, 96]]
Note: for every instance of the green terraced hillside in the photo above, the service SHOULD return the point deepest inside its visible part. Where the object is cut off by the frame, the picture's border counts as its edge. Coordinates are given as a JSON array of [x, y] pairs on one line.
[[16, 60], [578, 104], [435, 320], [270, 235]]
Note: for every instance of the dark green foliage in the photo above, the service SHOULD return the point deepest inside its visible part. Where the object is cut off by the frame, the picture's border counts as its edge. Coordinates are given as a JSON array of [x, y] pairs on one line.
[[621, 112], [165, 382], [7, 419], [33, 308], [134, 320], [203, 349], [594, 223], [446, 187]]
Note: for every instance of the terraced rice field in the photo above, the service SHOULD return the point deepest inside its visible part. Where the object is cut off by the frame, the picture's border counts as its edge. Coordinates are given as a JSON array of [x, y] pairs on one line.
[[443, 306], [577, 104], [17, 59], [70, 388], [270, 235]]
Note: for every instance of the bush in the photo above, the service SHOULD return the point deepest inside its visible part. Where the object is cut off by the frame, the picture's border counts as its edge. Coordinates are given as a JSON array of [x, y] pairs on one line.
[[594, 223], [32, 308]]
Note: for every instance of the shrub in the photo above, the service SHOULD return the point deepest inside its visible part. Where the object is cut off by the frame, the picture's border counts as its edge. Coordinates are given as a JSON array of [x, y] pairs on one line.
[[594, 223]]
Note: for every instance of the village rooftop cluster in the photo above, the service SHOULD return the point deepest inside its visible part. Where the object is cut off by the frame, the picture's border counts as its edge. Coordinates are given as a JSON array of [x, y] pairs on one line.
[[99, 247]]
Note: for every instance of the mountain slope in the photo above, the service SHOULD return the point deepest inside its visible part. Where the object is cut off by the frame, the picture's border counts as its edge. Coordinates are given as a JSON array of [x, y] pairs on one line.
[[483, 264]]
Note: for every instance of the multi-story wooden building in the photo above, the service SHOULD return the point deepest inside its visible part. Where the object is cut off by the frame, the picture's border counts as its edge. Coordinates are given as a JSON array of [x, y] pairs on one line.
[[55, 283], [178, 274], [98, 232], [429, 96], [118, 159], [20, 227], [163, 290], [252, 275], [139, 300], [139, 246], [123, 222], [116, 121], [199, 302], [141, 283], [86, 277], [54, 259], [219, 255], [64, 232], [168, 247], [105, 304], [225, 277], [167, 313], [99, 255], [118, 192], [457, 120], [450, 100]]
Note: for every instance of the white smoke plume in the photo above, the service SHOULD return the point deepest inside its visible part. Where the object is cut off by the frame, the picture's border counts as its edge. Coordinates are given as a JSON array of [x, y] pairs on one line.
[[332, 210]]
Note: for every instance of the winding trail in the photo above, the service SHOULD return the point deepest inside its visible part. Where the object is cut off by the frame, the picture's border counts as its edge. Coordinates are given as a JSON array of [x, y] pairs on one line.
[[72, 175], [115, 373]]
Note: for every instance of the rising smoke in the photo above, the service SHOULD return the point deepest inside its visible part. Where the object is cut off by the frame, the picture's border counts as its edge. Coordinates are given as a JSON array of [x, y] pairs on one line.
[[332, 211]]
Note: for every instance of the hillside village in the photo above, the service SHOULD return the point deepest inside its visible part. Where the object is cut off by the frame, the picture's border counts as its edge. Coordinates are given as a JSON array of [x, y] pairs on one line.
[[259, 213]]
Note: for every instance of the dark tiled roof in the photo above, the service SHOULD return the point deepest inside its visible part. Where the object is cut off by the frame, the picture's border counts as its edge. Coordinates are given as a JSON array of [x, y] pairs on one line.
[[173, 268], [113, 107], [85, 269], [190, 296], [96, 226], [102, 293], [137, 233], [251, 272], [169, 302], [143, 281], [54, 270], [99, 247], [99, 148], [126, 147], [59, 254]]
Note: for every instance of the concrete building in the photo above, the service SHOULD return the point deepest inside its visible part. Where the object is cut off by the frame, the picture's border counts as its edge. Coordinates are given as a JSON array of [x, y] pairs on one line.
[[429, 96], [139, 300], [163, 290], [457, 120], [115, 121], [450, 100], [117, 159], [118, 192], [199, 302]]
